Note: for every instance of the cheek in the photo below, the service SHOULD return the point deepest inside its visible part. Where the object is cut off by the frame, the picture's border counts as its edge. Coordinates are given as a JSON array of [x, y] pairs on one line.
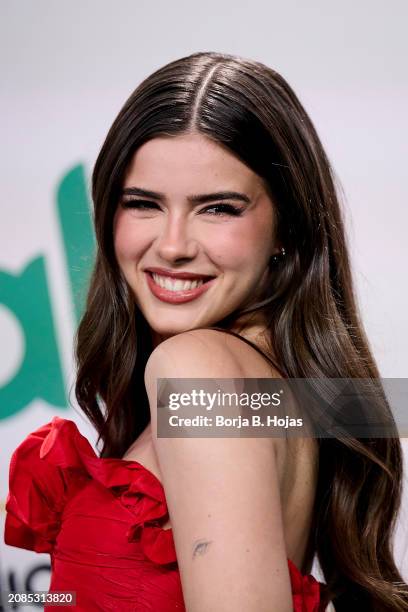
[[241, 248], [127, 240]]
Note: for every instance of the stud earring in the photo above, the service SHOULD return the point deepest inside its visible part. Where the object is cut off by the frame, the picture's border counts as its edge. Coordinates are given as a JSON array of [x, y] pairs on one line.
[[278, 256]]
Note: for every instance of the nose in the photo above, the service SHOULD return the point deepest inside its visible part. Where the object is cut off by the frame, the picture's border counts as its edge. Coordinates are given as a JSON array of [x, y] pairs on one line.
[[176, 241]]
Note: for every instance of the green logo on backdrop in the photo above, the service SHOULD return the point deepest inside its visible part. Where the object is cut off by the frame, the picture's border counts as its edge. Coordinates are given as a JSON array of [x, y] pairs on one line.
[[27, 296]]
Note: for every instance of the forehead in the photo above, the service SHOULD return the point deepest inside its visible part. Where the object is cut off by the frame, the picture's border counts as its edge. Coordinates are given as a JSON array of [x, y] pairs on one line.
[[189, 163]]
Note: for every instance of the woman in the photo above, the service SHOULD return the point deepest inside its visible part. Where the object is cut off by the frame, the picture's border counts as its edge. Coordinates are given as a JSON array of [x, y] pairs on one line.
[[221, 254]]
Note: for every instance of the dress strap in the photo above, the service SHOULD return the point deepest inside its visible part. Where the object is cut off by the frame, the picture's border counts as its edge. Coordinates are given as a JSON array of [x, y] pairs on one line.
[[228, 331]]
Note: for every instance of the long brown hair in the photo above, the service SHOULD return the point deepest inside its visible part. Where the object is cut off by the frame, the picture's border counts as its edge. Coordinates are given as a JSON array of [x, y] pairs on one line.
[[311, 312]]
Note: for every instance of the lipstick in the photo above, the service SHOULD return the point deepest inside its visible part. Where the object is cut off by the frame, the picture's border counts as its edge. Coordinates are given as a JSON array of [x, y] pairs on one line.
[[177, 297]]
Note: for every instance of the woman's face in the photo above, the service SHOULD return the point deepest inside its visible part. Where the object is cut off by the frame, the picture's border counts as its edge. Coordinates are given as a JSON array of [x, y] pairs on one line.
[[190, 206]]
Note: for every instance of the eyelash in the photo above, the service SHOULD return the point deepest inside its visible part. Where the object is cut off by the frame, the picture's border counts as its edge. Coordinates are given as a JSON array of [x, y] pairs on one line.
[[228, 209]]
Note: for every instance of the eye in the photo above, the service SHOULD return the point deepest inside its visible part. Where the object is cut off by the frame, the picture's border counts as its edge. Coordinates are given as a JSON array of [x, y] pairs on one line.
[[222, 209], [139, 204], [214, 210]]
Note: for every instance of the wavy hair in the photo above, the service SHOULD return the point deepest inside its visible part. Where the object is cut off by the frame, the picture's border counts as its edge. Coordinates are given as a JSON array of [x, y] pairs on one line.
[[310, 308]]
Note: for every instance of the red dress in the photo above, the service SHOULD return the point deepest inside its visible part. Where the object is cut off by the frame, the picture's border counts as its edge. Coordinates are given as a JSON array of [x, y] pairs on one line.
[[100, 521]]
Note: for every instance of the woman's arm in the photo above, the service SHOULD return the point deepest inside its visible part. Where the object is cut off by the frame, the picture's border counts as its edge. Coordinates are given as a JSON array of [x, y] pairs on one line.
[[222, 494]]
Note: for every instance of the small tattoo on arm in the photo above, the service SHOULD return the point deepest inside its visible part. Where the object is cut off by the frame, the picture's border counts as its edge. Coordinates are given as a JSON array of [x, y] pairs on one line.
[[200, 547]]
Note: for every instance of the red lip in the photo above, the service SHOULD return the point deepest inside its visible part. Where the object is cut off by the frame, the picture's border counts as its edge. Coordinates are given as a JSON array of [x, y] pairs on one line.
[[176, 297], [181, 275]]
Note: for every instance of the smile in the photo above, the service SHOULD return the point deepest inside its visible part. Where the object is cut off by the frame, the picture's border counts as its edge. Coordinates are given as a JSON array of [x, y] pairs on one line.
[[176, 284], [175, 290]]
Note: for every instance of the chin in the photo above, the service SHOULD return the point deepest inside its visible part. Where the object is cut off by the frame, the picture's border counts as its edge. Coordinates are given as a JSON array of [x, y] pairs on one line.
[[172, 327]]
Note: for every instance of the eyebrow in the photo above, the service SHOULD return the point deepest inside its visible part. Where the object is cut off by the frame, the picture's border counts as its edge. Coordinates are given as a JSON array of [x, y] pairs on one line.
[[194, 199]]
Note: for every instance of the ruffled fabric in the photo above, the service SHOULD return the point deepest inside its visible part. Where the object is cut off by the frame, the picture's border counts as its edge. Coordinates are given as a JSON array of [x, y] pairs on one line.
[[305, 591], [56, 461], [63, 457]]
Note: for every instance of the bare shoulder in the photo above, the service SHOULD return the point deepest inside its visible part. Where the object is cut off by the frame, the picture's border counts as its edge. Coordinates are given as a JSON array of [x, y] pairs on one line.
[[207, 353]]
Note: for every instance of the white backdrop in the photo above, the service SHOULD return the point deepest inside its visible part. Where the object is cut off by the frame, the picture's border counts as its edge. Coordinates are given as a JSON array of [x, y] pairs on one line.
[[67, 68]]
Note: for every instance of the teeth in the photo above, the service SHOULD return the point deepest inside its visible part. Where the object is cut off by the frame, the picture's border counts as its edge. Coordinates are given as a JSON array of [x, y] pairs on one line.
[[176, 284]]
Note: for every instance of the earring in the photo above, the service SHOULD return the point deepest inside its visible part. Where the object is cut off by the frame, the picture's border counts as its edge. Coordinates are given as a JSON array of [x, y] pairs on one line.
[[278, 256]]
